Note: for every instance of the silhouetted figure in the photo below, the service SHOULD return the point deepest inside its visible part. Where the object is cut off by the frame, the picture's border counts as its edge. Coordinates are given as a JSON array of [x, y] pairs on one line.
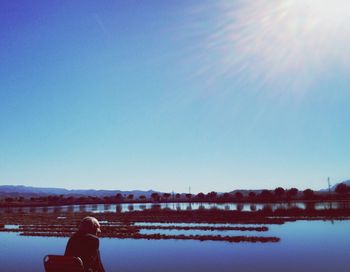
[[85, 244]]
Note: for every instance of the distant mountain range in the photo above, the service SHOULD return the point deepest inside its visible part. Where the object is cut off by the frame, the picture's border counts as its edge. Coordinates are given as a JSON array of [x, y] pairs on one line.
[[347, 182], [28, 191]]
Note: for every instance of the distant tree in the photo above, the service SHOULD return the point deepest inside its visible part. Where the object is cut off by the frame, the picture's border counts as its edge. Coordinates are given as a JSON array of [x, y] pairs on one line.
[[239, 207], [53, 198], [200, 196], [341, 189], [238, 195], [142, 197], [292, 192], [119, 197], [130, 197], [226, 196], [82, 199], [155, 196], [266, 194], [308, 193], [279, 192], [166, 196], [178, 196], [89, 199], [212, 195], [43, 198], [252, 195], [189, 197]]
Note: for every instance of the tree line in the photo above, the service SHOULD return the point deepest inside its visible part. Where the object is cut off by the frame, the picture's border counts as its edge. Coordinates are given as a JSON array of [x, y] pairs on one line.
[[279, 194]]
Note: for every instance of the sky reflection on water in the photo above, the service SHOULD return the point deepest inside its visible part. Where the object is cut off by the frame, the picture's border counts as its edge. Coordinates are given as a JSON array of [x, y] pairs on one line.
[[304, 246]]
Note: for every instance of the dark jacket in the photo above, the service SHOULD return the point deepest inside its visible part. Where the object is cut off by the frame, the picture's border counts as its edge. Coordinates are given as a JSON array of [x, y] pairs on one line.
[[85, 246]]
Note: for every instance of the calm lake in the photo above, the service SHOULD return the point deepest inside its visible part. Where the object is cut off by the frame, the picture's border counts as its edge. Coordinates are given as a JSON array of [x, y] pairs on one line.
[[304, 246]]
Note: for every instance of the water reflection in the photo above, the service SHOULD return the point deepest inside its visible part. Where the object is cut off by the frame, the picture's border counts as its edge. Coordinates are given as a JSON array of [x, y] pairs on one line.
[[310, 206], [118, 208], [267, 208], [156, 207], [253, 207], [95, 208], [343, 205], [82, 208], [240, 207], [127, 207]]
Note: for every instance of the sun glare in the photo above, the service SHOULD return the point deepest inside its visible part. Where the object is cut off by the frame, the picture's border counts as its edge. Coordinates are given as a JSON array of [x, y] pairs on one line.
[[289, 42]]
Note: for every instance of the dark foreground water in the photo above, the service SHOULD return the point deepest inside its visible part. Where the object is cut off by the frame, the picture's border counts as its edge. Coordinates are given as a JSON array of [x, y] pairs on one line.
[[304, 246]]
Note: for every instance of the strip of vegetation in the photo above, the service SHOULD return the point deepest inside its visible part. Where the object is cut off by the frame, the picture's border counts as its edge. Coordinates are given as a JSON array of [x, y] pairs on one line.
[[128, 228], [206, 228], [231, 239]]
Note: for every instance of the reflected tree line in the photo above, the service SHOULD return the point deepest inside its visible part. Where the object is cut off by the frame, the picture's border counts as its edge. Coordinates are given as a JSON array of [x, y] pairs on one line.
[[308, 206]]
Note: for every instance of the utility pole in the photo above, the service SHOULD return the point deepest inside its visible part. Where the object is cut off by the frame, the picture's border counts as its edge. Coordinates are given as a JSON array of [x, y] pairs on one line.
[[329, 192], [173, 196]]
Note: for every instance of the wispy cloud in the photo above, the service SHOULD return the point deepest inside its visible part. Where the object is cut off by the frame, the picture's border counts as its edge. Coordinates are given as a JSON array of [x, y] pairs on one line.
[[101, 25]]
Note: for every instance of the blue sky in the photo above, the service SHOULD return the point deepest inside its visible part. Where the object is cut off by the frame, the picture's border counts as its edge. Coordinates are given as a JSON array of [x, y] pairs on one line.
[[153, 95]]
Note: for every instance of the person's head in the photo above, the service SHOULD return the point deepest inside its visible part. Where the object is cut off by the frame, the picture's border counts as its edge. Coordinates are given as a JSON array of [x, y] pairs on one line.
[[90, 225]]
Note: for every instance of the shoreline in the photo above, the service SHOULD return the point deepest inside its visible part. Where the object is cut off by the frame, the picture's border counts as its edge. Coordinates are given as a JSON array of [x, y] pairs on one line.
[[55, 204]]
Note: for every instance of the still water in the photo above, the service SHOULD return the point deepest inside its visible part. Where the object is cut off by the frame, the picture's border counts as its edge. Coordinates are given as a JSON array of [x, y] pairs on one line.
[[126, 207], [304, 246]]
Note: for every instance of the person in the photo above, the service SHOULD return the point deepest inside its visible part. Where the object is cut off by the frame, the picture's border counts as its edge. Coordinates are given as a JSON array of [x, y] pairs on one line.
[[85, 245]]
